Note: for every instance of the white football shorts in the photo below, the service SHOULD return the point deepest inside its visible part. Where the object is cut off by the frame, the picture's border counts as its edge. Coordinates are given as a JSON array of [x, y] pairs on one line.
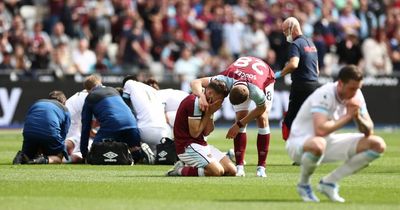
[[153, 135], [200, 156], [339, 147], [269, 93]]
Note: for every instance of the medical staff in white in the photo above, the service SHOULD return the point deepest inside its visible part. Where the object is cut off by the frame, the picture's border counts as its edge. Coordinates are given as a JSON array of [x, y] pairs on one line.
[[149, 112], [171, 99]]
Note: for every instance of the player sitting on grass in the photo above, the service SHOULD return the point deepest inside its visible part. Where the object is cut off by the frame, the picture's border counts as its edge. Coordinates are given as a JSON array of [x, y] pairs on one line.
[[197, 158]]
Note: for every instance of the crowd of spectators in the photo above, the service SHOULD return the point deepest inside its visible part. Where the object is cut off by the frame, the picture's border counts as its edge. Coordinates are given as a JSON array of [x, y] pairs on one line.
[[185, 39]]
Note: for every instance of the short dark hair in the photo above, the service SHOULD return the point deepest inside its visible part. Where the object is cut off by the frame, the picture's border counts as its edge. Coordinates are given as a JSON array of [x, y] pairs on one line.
[[127, 78], [219, 87], [238, 95], [350, 72], [58, 95], [153, 83]]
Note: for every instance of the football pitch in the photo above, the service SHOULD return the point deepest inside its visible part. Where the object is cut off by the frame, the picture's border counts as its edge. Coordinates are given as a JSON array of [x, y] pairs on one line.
[[146, 187]]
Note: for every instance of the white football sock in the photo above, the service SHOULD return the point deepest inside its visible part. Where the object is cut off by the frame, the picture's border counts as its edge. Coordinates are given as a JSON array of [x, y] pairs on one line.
[[351, 166], [200, 171], [308, 164]]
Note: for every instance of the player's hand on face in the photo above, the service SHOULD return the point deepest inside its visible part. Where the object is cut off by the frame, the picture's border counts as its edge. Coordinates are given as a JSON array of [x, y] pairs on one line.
[[203, 104], [353, 107], [232, 132], [214, 106]]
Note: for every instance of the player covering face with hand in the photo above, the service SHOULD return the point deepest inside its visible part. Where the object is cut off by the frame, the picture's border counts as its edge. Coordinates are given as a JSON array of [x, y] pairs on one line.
[[197, 157], [312, 140], [248, 79]]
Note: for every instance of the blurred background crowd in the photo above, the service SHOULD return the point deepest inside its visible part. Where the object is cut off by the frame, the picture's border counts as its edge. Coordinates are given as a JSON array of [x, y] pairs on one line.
[[185, 39]]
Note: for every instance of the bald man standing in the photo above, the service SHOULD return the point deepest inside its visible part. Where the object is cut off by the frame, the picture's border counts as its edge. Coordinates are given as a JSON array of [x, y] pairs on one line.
[[303, 67]]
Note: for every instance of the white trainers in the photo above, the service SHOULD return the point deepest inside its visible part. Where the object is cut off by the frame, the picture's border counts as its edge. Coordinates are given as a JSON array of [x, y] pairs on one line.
[[261, 171], [149, 157], [331, 190], [231, 155], [174, 171], [240, 170], [306, 193]]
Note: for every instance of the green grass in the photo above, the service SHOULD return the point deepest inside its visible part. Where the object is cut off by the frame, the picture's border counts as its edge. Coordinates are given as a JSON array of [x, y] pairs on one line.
[[145, 187]]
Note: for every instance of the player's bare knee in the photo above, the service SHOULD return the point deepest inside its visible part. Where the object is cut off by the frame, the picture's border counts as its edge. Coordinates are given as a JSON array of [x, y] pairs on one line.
[[215, 172], [230, 171], [315, 146], [70, 146], [229, 167], [377, 144], [214, 169], [54, 159], [262, 120]]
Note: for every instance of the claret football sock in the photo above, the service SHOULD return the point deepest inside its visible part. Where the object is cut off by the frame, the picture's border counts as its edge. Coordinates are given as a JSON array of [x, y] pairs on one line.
[[240, 143], [262, 148], [192, 171]]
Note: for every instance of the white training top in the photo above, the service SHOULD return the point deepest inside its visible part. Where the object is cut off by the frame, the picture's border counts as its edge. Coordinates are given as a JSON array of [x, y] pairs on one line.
[[75, 105], [171, 98], [148, 108], [324, 100]]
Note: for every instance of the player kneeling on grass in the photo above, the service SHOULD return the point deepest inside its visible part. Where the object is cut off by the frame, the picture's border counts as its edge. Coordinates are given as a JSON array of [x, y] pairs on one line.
[[197, 158], [312, 139], [45, 128]]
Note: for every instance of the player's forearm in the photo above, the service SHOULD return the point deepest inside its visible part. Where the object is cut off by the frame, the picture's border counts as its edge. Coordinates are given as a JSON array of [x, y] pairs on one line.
[[331, 126], [196, 86], [200, 127], [288, 69], [364, 125], [209, 127], [253, 114]]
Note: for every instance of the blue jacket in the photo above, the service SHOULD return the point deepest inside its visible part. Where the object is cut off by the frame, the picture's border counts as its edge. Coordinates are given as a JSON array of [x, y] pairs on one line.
[[107, 106], [47, 119]]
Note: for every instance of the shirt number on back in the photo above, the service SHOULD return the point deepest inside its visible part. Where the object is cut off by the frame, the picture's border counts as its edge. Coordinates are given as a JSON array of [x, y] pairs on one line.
[[245, 61]]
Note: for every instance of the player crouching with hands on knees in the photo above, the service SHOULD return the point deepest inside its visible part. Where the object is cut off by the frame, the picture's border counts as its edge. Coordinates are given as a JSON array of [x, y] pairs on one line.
[[312, 139], [197, 157]]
